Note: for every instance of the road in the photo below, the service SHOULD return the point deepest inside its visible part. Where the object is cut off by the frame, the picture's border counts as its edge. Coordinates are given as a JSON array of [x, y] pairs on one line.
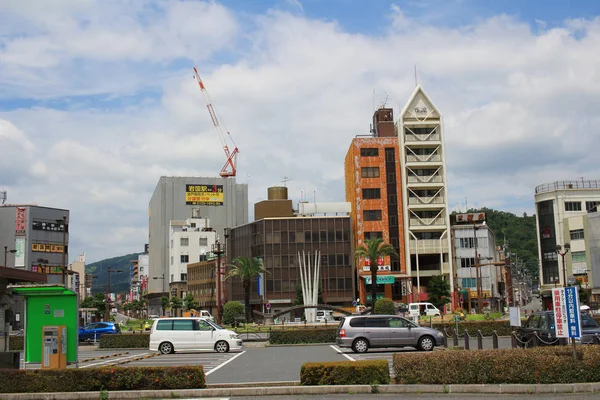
[[426, 396]]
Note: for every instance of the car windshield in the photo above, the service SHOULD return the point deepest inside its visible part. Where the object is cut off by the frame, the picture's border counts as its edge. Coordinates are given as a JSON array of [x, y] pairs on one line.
[[213, 324], [588, 322]]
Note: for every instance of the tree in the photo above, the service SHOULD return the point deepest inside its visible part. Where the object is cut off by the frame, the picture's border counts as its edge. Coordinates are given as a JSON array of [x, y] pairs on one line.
[[97, 301], [231, 310], [190, 303], [438, 291], [373, 249], [176, 304], [164, 303], [247, 269], [384, 307]]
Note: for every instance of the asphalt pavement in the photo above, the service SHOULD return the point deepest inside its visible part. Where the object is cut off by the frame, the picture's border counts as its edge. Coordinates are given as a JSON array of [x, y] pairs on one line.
[[427, 396]]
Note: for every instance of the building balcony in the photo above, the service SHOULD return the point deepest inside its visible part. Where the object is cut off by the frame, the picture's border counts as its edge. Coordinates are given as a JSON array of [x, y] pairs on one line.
[[438, 222], [428, 246], [426, 201], [409, 137], [412, 179], [432, 158]]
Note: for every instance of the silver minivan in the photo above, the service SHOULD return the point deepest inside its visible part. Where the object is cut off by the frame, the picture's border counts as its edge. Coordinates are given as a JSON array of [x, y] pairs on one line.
[[361, 332]]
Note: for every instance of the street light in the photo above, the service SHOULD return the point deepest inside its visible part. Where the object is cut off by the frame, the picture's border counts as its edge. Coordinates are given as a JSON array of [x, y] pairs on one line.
[[6, 251], [107, 311], [559, 251]]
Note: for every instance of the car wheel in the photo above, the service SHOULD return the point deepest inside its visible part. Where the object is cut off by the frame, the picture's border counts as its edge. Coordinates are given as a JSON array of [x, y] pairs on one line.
[[222, 346], [166, 348], [426, 343], [360, 345]]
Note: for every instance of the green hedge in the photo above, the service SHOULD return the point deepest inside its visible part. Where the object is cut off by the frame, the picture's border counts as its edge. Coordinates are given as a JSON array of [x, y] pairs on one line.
[[365, 372], [502, 328], [512, 366], [98, 379], [303, 336], [15, 343], [125, 341]]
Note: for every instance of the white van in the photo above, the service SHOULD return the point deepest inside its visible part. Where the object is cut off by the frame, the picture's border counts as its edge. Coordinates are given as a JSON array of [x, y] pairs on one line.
[[325, 316], [169, 335], [425, 309]]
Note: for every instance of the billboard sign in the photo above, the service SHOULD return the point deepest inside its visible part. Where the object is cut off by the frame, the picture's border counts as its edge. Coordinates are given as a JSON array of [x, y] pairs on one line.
[[21, 221], [204, 195], [381, 279], [20, 253], [567, 321], [472, 217]]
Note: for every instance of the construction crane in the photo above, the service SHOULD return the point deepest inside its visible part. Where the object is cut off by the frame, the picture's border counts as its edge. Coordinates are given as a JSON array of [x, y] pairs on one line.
[[230, 167]]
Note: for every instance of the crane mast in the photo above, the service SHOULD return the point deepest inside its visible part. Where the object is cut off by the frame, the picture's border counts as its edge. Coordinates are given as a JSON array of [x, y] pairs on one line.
[[230, 167]]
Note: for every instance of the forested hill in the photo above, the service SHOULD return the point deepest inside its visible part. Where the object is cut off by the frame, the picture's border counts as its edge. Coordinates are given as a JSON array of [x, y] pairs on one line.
[[520, 235], [119, 281]]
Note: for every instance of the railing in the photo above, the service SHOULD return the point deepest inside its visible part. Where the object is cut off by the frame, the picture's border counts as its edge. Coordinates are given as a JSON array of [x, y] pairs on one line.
[[425, 179], [420, 137], [427, 221], [425, 200], [423, 158], [565, 185], [427, 246]]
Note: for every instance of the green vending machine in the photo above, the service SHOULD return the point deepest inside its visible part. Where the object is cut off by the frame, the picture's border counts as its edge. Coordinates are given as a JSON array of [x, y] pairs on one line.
[[48, 306]]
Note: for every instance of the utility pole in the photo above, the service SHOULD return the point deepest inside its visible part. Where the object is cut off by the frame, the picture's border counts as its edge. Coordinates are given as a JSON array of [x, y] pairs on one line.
[[219, 252]]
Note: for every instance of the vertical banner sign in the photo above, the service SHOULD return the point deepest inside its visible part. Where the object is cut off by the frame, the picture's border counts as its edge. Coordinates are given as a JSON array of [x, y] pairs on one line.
[[20, 221], [560, 313], [567, 320], [573, 317], [20, 253]]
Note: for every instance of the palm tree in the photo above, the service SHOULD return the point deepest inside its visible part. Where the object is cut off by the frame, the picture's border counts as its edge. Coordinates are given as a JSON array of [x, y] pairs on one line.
[[373, 249], [246, 268]]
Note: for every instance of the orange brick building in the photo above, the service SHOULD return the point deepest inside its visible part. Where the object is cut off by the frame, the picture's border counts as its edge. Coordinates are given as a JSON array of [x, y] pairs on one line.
[[374, 189]]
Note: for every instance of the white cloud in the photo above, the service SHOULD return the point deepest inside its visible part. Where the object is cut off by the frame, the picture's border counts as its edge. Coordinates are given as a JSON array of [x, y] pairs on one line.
[[519, 104]]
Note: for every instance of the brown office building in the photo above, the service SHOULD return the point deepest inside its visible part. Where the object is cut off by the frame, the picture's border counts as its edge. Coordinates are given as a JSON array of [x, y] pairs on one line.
[[202, 284], [277, 236], [374, 189]]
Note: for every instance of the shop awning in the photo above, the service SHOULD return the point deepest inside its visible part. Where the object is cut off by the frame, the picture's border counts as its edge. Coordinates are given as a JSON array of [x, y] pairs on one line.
[[20, 275]]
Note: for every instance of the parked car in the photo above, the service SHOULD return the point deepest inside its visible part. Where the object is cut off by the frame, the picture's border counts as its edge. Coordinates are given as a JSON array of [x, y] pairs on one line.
[[423, 309], [371, 331], [94, 330], [169, 335], [542, 322]]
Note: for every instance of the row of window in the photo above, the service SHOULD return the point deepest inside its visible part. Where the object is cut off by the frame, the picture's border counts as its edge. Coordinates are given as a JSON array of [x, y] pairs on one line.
[[469, 282], [469, 243], [576, 256], [185, 258], [590, 206], [184, 242], [307, 237]]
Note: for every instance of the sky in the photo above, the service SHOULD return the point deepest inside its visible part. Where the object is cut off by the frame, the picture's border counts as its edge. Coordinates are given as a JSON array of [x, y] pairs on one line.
[[98, 100]]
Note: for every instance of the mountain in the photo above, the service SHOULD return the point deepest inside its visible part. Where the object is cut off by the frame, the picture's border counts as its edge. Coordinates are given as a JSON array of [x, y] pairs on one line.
[[119, 281]]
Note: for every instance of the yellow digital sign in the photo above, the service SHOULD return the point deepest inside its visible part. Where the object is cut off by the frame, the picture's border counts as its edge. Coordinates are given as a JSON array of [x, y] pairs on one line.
[[204, 195]]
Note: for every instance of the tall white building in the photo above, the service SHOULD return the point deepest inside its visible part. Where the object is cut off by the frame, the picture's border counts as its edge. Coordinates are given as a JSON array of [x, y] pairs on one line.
[[424, 192], [562, 209], [190, 241]]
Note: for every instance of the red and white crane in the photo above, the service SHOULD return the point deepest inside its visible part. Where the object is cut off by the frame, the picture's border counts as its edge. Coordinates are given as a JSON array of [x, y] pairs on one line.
[[230, 167]]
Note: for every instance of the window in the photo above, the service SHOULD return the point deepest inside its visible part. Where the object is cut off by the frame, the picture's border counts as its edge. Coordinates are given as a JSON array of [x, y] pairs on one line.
[[373, 235], [590, 206], [550, 256], [184, 277], [292, 237], [578, 256], [469, 282], [164, 325], [576, 234], [184, 241], [467, 262], [172, 260], [372, 215], [377, 323], [203, 241], [369, 172], [358, 322], [466, 243], [369, 152], [203, 326], [171, 243], [572, 206], [369, 194], [184, 258], [183, 325]]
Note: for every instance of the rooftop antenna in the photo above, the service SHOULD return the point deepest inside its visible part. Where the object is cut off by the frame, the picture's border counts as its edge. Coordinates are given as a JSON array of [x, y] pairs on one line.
[[3, 197], [373, 99], [416, 80], [285, 179], [384, 101]]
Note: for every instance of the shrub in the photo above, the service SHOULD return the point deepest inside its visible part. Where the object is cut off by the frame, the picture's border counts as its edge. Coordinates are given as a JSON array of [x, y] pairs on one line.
[[502, 328], [365, 372], [303, 336], [102, 379], [231, 310], [125, 341], [540, 365], [385, 306], [15, 343]]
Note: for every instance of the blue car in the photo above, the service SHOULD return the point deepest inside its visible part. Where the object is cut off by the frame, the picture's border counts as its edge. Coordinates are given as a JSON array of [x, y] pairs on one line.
[[93, 331]]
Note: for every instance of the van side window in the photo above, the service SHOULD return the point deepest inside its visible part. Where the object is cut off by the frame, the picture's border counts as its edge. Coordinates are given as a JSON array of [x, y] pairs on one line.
[[183, 325], [164, 325], [357, 322], [377, 323], [202, 326], [399, 323]]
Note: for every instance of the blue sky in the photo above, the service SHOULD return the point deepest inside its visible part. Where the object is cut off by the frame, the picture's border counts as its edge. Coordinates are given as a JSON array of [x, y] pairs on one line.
[[97, 97]]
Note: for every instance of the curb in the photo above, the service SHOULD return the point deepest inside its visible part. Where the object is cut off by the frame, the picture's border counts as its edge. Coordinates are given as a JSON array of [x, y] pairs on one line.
[[104, 357], [136, 359], [319, 390]]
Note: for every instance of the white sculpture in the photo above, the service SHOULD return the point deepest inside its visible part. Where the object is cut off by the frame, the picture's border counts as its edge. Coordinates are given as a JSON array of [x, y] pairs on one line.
[[309, 277]]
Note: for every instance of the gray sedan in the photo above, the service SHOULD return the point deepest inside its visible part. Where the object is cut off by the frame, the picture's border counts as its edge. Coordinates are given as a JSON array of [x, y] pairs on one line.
[[362, 332]]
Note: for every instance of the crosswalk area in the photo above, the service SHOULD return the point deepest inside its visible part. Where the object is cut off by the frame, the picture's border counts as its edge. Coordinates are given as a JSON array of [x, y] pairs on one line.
[[209, 360]]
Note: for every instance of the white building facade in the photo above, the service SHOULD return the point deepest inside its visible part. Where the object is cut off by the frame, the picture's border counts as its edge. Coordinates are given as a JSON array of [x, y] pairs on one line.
[[424, 192]]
